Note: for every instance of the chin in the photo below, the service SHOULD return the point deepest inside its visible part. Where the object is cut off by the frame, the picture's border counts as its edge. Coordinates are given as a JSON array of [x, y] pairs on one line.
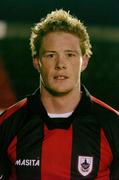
[[58, 92]]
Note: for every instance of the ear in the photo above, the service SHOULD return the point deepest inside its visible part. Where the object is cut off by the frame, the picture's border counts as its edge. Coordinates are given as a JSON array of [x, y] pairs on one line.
[[85, 60], [36, 64]]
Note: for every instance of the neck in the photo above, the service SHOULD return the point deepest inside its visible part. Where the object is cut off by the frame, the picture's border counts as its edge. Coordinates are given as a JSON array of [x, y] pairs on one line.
[[60, 104]]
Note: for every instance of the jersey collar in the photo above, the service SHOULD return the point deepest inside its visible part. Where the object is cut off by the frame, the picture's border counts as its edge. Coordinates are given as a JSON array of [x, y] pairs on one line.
[[36, 107]]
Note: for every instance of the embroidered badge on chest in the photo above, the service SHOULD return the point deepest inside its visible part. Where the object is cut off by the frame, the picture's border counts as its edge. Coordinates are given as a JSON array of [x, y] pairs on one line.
[[85, 165]]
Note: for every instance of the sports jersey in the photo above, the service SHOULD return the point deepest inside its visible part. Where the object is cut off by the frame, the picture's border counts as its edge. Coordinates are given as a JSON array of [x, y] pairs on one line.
[[83, 146]]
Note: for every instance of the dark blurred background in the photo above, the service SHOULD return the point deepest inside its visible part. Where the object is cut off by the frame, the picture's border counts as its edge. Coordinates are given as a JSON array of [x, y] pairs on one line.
[[17, 75]]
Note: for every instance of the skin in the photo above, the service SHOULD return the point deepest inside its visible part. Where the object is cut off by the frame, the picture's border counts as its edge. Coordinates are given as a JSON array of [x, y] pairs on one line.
[[60, 65]]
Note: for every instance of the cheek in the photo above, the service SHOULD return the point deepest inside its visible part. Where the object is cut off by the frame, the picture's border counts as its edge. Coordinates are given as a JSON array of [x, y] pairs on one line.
[[45, 74], [76, 74], [76, 68]]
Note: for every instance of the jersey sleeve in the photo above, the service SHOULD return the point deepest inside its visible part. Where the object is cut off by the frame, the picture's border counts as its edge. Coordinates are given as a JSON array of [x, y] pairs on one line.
[[4, 167], [4, 161], [115, 169]]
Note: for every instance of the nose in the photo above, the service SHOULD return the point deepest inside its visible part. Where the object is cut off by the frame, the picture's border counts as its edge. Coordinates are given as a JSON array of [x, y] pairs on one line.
[[60, 62]]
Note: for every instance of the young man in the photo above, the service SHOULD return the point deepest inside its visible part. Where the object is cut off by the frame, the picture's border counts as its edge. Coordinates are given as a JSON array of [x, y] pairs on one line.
[[60, 132]]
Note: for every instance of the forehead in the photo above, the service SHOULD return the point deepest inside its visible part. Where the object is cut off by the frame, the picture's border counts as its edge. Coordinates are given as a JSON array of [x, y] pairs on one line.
[[60, 39]]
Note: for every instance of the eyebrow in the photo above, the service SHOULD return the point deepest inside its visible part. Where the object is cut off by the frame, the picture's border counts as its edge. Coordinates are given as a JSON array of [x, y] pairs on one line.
[[74, 51], [47, 51], [68, 50]]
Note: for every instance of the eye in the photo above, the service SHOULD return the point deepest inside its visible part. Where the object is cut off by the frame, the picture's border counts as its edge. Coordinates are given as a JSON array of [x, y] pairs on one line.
[[49, 55], [71, 54]]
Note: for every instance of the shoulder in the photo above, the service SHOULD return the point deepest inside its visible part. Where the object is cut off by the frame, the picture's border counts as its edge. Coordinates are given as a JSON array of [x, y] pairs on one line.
[[9, 112], [102, 105], [108, 119], [107, 115]]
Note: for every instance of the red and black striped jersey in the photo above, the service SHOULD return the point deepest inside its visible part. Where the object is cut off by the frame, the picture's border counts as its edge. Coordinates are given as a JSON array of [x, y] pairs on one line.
[[84, 146]]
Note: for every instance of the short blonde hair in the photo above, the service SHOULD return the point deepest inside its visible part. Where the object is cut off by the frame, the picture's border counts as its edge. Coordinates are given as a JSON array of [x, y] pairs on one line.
[[59, 20]]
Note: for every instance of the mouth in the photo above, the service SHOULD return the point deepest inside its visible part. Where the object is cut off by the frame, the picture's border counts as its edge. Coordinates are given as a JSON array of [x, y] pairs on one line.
[[60, 77]]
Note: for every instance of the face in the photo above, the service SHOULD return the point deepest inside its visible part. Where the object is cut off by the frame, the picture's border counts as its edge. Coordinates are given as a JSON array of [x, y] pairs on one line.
[[60, 63]]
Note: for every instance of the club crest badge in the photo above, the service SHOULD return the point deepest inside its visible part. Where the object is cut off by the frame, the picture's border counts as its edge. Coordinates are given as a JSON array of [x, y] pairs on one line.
[[85, 165]]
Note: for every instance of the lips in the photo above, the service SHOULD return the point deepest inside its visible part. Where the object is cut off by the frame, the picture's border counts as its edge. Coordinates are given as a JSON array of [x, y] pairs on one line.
[[60, 77]]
